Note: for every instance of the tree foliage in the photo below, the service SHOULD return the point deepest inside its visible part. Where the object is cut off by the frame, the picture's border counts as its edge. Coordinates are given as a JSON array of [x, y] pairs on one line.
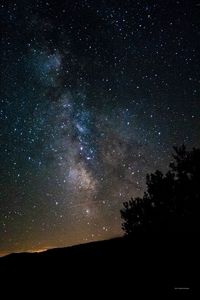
[[171, 202]]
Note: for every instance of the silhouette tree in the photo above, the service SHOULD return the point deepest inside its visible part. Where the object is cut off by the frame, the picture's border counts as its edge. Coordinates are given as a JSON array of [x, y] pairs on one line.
[[171, 202]]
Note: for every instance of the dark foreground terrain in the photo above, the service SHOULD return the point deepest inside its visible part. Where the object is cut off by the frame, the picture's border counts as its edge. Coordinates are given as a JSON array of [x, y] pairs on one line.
[[119, 267]]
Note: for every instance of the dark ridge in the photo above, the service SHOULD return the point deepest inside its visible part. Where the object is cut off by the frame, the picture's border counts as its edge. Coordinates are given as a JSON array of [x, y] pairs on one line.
[[155, 263]]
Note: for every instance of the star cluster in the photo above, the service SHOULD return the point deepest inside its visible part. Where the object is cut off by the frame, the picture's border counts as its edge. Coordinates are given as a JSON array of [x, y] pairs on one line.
[[94, 94]]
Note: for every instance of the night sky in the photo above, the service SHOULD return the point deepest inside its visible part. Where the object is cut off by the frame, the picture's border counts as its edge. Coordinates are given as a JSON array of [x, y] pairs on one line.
[[94, 94]]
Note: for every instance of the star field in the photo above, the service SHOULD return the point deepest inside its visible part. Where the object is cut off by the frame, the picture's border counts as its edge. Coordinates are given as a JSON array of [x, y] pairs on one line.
[[94, 94]]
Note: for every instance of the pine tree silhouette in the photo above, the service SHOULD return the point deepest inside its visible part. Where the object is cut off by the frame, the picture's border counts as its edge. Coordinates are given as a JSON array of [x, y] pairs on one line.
[[171, 202]]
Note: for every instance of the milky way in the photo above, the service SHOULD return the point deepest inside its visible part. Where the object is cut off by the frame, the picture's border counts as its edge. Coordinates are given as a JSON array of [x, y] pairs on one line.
[[94, 94]]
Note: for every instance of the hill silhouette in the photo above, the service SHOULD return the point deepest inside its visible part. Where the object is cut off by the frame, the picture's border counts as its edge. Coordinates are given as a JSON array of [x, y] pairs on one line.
[[144, 263]]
